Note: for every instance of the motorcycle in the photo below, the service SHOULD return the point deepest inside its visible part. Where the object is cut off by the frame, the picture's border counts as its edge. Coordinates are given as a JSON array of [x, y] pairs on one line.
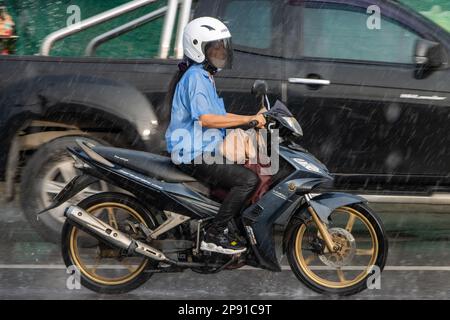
[[333, 241]]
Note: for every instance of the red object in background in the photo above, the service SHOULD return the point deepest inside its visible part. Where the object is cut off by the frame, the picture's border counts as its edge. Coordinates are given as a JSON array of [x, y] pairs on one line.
[[6, 23], [5, 52]]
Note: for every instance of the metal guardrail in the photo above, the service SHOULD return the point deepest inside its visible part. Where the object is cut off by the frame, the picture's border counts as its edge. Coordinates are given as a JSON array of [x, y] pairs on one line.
[[169, 24], [97, 41], [433, 199], [184, 18], [90, 22], [166, 37]]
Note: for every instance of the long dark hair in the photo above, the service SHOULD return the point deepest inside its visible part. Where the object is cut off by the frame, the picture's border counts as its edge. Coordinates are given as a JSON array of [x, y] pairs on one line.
[[167, 106]]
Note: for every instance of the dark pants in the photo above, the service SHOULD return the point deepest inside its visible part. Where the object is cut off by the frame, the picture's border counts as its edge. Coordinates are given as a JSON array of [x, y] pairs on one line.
[[241, 181]]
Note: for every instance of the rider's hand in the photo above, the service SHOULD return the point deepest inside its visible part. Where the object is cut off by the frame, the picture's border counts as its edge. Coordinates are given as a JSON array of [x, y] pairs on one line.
[[263, 109], [261, 120]]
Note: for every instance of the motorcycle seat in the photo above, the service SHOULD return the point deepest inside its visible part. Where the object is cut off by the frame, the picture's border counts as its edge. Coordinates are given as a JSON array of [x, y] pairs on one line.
[[149, 164]]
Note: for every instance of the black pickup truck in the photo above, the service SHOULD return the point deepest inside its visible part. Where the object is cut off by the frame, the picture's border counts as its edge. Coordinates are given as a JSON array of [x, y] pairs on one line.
[[373, 97]]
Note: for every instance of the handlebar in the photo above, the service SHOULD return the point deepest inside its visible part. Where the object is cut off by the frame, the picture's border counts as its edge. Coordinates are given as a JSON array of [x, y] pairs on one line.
[[252, 124]]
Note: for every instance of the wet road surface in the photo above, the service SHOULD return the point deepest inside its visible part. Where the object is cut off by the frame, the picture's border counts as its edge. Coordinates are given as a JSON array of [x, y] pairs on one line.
[[418, 266]]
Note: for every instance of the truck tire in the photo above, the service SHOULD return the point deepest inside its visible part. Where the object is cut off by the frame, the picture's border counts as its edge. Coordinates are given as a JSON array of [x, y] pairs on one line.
[[48, 170]]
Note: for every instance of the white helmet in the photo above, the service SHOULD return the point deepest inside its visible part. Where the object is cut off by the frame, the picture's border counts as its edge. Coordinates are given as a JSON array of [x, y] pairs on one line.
[[204, 33]]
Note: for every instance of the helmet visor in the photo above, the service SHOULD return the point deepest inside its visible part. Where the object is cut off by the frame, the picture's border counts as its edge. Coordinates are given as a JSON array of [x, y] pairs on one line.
[[220, 53]]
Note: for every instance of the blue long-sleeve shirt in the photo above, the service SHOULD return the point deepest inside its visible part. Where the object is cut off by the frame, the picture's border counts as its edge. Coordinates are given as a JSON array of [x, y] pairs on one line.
[[195, 95]]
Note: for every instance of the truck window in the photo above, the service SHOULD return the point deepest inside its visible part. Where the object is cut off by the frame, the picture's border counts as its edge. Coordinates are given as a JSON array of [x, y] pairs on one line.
[[254, 25], [341, 32]]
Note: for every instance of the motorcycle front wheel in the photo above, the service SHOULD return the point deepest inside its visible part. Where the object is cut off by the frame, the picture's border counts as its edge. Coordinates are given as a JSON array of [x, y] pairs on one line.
[[356, 265]]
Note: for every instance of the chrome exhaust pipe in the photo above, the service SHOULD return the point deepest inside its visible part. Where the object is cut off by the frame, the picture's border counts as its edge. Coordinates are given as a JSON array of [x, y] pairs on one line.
[[113, 236]]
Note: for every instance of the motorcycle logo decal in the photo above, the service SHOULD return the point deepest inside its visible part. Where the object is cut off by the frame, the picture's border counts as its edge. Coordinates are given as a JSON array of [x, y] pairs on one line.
[[307, 165], [120, 158], [279, 195]]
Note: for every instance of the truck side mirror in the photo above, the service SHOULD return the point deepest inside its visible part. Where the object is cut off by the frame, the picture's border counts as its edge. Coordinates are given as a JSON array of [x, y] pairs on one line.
[[428, 56], [260, 88]]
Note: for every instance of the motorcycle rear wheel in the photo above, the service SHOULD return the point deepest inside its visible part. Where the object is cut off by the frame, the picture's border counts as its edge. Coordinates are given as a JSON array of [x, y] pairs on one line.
[[103, 268]]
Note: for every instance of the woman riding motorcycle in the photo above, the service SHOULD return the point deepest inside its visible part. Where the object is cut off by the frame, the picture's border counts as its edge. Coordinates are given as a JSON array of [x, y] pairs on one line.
[[194, 100]]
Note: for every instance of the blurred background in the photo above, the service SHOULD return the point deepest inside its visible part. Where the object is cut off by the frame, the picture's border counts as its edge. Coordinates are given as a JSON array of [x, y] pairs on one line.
[[30, 267], [35, 19]]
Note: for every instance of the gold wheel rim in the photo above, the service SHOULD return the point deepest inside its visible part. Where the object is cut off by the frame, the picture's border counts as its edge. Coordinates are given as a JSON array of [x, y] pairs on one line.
[[74, 252], [342, 283]]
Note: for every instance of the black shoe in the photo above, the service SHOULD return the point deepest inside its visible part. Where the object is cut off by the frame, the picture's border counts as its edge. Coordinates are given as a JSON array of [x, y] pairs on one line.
[[221, 242]]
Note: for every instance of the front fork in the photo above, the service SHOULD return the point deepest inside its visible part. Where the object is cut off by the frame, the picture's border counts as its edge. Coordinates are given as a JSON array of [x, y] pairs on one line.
[[323, 229]]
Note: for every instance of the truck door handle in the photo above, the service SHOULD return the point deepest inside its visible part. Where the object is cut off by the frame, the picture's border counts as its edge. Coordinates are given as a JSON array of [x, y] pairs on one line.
[[309, 81]]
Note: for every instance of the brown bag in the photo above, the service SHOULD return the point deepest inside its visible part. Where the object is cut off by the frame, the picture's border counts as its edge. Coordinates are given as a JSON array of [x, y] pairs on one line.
[[241, 146], [238, 146]]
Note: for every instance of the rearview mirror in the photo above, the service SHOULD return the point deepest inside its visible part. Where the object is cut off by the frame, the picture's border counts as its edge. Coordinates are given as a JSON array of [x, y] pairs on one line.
[[260, 88], [428, 56]]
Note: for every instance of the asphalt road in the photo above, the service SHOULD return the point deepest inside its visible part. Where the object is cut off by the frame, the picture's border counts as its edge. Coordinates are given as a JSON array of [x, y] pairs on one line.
[[418, 266]]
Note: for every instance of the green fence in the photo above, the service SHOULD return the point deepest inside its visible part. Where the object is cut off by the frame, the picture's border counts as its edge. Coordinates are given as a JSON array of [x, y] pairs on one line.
[[37, 18]]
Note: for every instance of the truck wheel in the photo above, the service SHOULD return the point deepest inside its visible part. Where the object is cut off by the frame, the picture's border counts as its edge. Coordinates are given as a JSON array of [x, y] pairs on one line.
[[48, 170]]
